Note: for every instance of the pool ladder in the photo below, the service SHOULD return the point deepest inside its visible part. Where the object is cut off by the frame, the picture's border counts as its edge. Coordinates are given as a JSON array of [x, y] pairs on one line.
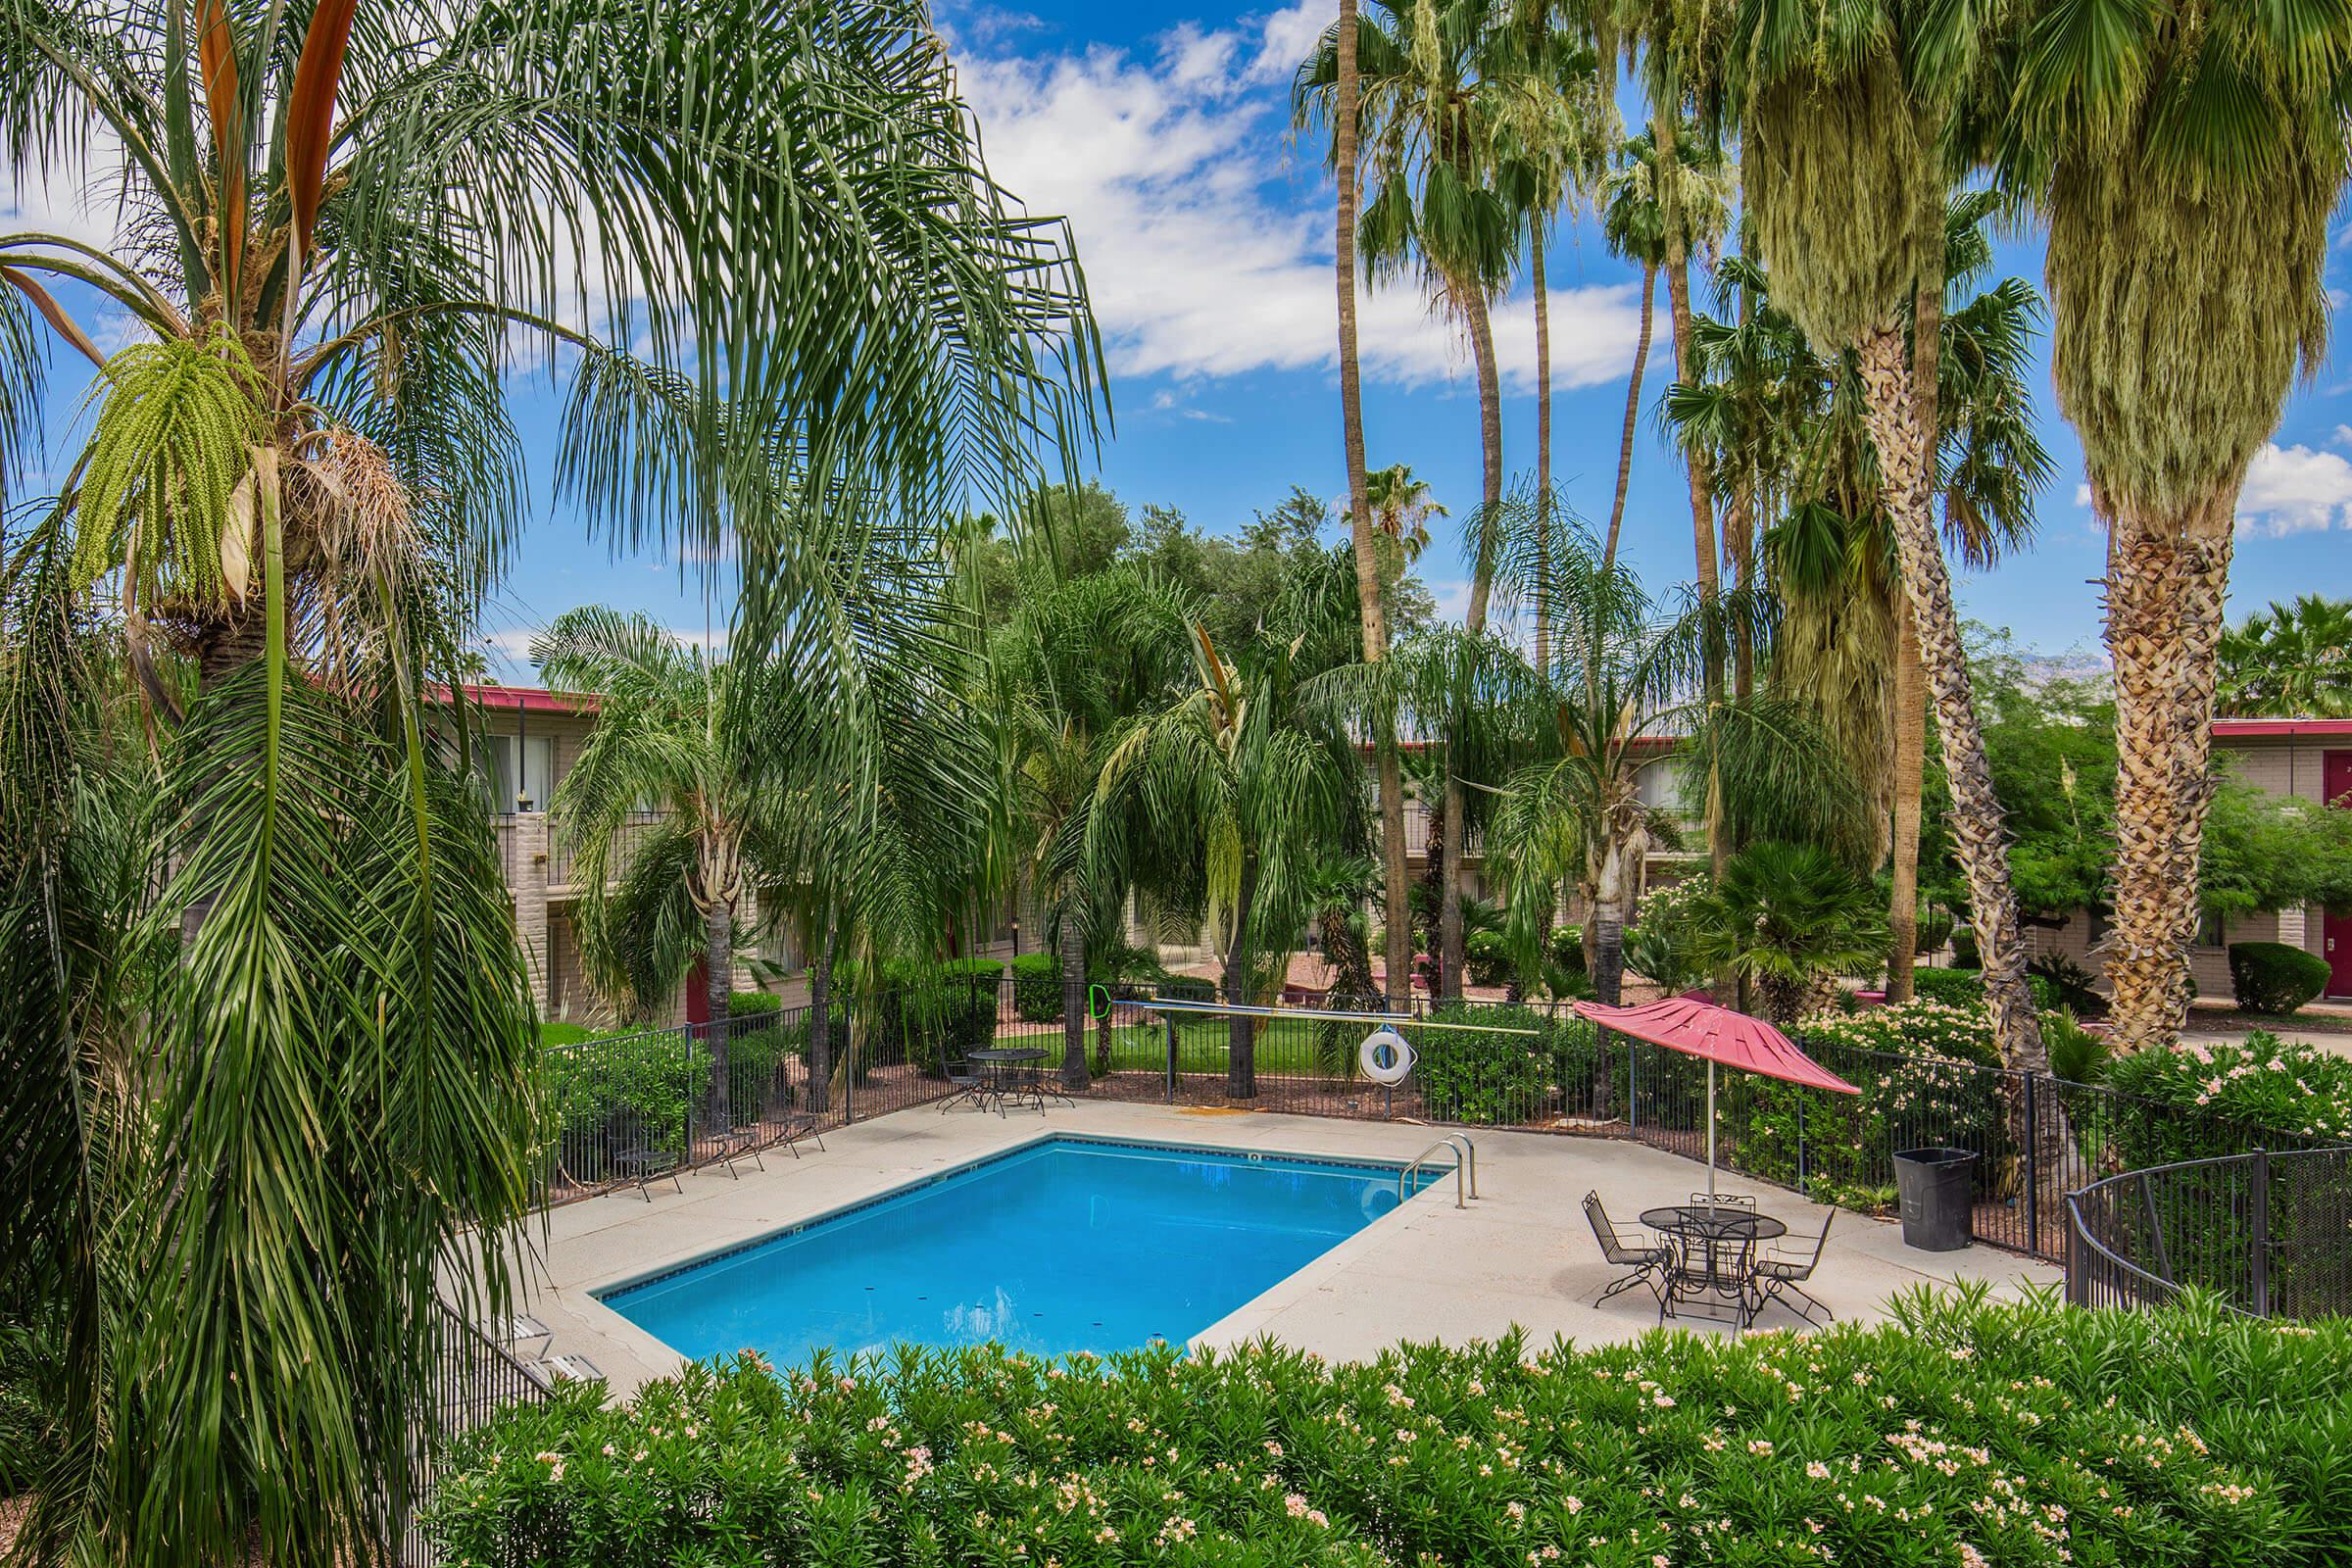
[[1465, 1157]]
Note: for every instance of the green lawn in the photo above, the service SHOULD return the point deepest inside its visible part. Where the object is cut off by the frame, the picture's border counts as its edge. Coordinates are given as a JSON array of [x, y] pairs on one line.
[[563, 1034]]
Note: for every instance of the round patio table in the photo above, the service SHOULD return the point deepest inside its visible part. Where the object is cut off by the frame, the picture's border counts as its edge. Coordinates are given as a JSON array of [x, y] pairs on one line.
[[1714, 1251], [1011, 1073]]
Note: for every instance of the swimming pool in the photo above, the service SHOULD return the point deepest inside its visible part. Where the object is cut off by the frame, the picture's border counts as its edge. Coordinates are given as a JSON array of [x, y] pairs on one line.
[[1063, 1245]]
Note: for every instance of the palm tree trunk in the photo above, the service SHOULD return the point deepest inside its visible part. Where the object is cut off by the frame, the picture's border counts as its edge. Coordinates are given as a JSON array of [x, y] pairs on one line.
[[1241, 1038], [1979, 833], [1702, 510], [1482, 583], [1910, 768], [718, 965], [1490, 441], [2165, 582], [1543, 444], [1632, 412], [1450, 893], [1369, 609], [820, 1024], [1075, 1075], [1740, 543]]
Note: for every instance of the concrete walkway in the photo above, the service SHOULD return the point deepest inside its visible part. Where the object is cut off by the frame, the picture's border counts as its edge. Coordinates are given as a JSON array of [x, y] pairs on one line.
[[1520, 1255]]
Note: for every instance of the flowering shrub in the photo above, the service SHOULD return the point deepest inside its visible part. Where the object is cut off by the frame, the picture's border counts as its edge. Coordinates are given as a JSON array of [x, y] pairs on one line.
[[2195, 1100], [1919, 1069], [1965, 1432]]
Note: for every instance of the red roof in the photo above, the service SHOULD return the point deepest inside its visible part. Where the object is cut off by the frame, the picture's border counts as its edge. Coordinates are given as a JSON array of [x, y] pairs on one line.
[[2281, 728], [1718, 1034], [510, 698]]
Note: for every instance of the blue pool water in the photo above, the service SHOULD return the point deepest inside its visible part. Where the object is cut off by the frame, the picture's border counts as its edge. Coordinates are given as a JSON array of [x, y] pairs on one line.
[[1062, 1246]]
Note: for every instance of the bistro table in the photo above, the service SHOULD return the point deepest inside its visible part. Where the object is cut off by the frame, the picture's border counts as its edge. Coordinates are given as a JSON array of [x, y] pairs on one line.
[[1010, 1073], [1714, 1247]]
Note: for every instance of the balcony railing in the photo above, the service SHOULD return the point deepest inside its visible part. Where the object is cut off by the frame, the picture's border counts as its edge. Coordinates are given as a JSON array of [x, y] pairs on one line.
[[563, 860]]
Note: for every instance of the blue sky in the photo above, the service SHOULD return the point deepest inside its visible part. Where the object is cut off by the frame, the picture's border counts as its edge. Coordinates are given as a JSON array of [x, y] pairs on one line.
[[1161, 129]]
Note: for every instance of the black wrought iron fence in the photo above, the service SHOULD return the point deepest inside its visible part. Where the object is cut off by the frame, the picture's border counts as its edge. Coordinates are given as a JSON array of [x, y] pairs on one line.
[[474, 1379], [2269, 1232]]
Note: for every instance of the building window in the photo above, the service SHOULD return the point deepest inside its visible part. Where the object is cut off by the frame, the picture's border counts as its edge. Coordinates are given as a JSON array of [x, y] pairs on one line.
[[2213, 929], [518, 788]]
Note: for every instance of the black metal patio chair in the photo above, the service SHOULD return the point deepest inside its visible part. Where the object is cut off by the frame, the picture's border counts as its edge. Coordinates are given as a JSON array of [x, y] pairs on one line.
[[1648, 1261], [971, 1084], [1781, 1276]]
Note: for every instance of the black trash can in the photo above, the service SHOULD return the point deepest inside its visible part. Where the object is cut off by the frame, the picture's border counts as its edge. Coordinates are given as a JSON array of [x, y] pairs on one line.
[[1933, 1184]]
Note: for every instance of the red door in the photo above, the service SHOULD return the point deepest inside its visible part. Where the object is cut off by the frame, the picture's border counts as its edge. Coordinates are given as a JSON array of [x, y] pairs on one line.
[[2337, 771]]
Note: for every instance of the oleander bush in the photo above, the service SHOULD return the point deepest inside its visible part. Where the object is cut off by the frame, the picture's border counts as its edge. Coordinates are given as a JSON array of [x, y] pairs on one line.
[[1919, 1068], [2274, 978], [1962, 1434], [1965, 988], [2195, 1100], [1499, 1078]]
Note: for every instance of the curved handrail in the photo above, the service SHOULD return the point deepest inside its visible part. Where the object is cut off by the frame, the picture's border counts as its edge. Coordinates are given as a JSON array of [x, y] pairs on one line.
[[2088, 1252], [1452, 1143]]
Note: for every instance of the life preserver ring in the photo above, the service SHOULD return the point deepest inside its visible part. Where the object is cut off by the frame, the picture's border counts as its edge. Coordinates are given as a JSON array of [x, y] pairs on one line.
[[1384, 1056]]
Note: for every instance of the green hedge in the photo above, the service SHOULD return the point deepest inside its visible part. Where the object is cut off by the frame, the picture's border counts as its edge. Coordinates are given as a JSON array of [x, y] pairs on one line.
[[1499, 1079], [1037, 988], [1963, 1432], [2275, 978]]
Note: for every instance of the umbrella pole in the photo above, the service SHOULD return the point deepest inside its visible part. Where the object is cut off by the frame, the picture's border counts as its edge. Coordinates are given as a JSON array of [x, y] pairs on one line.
[[1711, 1129]]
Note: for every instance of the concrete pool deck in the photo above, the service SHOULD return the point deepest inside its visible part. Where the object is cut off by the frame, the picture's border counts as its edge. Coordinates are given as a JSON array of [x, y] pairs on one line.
[[1521, 1253]]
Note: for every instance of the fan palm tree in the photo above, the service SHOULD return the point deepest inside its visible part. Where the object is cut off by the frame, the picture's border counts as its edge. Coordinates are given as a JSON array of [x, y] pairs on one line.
[[2290, 660], [1347, 101], [1843, 640], [1401, 506], [1079, 657], [1226, 797], [2189, 165], [1845, 117], [666, 738], [339, 233], [1633, 223], [1436, 87], [1784, 915]]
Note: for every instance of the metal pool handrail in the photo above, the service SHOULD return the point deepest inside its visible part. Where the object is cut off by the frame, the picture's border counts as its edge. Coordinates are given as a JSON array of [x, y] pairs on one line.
[[1456, 1144]]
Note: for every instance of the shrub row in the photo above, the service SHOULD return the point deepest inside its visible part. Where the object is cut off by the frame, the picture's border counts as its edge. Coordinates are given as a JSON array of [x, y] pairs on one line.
[[2197, 1101], [1961, 1434]]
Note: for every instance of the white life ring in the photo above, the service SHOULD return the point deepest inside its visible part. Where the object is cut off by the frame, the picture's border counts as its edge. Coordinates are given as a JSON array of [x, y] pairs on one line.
[[1386, 1056]]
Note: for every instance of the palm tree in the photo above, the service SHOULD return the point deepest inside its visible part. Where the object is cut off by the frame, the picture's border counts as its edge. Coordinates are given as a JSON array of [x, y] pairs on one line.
[[339, 235], [1624, 687], [1844, 641], [668, 738], [2290, 660], [1079, 657], [1347, 90], [1436, 87], [1782, 916], [2189, 165], [1842, 117], [1225, 796], [1401, 506]]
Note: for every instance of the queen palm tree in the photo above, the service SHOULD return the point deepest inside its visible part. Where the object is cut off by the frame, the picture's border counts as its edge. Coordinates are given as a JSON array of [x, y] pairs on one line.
[[2189, 165], [1227, 795], [1080, 658], [668, 738], [339, 233], [2292, 661], [1844, 117]]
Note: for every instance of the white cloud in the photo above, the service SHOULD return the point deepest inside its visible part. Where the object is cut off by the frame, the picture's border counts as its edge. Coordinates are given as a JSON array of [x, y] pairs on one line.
[[2083, 496], [1202, 259], [2341, 436], [2295, 490]]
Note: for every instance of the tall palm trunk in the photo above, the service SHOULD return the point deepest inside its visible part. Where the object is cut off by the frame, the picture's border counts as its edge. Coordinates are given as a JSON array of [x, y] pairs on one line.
[[1073, 995], [1543, 445], [1241, 1037], [2165, 583], [1482, 583], [1910, 769], [1979, 834], [1632, 412], [1369, 609], [718, 963], [821, 1022]]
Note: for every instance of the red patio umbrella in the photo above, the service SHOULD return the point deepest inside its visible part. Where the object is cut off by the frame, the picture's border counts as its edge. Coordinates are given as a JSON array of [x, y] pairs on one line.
[[1718, 1034]]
